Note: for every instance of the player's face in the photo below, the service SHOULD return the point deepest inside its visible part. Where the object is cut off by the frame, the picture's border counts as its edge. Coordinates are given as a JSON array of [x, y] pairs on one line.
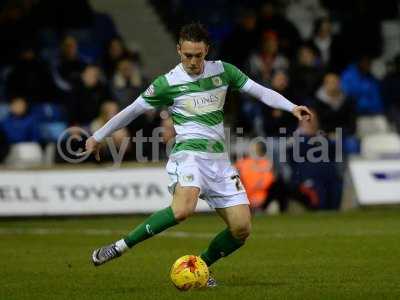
[[192, 56]]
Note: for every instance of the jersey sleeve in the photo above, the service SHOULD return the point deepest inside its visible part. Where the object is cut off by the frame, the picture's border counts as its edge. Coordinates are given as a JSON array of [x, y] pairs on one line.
[[236, 78], [157, 93]]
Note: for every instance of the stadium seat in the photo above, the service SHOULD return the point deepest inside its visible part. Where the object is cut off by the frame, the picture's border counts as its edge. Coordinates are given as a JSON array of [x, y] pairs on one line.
[[24, 155], [48, 112], [384, 145], [50, 131], [368, 125]]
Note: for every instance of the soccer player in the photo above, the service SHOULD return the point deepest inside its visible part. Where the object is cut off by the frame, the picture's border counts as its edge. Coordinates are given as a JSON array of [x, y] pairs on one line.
[[199, 166]]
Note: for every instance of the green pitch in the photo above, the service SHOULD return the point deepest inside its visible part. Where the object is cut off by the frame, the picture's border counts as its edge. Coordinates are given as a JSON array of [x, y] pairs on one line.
[[353, 255]]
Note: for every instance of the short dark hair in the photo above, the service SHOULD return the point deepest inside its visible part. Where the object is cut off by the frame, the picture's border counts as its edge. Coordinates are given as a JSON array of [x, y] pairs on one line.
[[194, 32]]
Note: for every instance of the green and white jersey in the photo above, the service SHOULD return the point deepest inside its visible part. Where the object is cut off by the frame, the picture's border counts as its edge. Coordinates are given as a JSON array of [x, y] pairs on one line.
[[196, 103]]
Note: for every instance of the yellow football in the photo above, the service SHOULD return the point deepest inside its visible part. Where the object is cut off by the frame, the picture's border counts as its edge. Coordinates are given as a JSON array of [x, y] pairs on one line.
[[189, 272]]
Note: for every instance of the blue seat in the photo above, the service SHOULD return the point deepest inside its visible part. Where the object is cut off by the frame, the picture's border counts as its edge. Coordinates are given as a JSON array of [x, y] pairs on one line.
[[48, 112], [51, 131]]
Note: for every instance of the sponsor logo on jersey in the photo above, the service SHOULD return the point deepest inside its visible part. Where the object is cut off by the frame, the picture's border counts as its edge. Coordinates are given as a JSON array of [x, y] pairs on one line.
[[205, 100], [150, 91], [217, 81], [201, 103]]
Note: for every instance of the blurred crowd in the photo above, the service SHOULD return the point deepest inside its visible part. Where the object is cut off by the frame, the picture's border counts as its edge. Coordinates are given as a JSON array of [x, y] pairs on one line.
[[64, 64]]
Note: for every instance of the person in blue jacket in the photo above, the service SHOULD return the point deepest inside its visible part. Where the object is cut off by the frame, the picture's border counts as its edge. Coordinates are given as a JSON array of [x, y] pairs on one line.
[[20, 125], [359, 83]]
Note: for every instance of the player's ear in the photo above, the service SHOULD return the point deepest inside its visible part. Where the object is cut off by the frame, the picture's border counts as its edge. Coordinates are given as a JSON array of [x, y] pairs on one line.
[[178, 48], [207, 49]]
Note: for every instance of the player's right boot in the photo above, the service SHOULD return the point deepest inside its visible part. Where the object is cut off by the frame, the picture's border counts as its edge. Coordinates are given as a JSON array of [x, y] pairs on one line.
[[211, 282], [105, 254]]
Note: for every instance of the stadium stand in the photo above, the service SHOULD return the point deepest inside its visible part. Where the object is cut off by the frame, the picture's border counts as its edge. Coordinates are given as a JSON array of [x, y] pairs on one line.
[[77, 71]]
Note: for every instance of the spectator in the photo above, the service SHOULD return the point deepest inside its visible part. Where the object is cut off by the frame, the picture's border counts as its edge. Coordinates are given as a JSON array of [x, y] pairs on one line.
[[114, 52], [334, 108], [85, 101], [315, 173], [256, 175], [262, 63], [391, 93], [127, 82], [260, 67], [287, 33], [359, 83], [20, 125], [306, 73], [323, 38], [70, 66], [263, 120], [245, 32], [30, 78], [17, 25], [148, 125], [275, 119], [107, 110]]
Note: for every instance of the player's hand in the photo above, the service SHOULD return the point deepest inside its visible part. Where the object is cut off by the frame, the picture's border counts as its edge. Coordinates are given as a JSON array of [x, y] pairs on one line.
[[92, 147], [302, 113]]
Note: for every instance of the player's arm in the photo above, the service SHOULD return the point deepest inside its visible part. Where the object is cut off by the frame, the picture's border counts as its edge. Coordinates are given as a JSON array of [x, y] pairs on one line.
[[275, 100], [155, 96], [239, 81], [120, 120]]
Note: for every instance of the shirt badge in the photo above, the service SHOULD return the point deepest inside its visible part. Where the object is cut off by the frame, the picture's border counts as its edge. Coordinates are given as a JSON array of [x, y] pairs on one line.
[[217, 81]]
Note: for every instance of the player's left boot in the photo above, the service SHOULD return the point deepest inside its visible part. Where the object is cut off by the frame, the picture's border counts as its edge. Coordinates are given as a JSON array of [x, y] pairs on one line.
[[105, 254], [211, 282]]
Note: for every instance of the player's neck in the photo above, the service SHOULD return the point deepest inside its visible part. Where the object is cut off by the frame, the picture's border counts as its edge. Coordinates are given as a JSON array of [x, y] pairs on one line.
[[194, 74]]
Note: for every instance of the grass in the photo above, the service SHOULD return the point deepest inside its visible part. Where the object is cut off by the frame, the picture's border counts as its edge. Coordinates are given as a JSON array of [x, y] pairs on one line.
[[353, 255]]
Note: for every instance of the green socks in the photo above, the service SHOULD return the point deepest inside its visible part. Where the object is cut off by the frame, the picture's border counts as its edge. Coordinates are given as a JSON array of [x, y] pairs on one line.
[[156, 223], [222, 245]]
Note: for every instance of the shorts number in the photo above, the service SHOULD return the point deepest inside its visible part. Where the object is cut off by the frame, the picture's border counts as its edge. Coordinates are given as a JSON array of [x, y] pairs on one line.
[[238, 184]]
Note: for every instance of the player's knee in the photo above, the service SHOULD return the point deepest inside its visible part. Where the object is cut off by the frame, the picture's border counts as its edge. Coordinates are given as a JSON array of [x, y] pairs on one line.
[[181, 214], [241, 231]]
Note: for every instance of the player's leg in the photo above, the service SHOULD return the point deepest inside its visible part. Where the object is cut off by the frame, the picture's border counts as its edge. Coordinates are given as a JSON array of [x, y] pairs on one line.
[[238, 221], [183, 205]]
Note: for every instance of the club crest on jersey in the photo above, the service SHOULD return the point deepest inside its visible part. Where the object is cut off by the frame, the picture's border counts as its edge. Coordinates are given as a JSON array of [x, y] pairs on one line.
[[150, 91], [217, 81]]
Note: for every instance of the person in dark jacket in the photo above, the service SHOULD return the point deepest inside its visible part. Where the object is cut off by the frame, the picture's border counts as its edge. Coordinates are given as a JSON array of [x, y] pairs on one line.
[[306, 73], [84, 103], [30, 78], [70, 66], [315, 170], [334, 108]]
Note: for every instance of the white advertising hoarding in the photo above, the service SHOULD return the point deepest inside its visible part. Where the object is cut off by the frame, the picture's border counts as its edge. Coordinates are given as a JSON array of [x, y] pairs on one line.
[[79, 191], [376, 182]]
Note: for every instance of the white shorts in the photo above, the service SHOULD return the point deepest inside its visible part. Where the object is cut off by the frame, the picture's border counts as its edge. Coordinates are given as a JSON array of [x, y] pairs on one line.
[[217, 179]]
